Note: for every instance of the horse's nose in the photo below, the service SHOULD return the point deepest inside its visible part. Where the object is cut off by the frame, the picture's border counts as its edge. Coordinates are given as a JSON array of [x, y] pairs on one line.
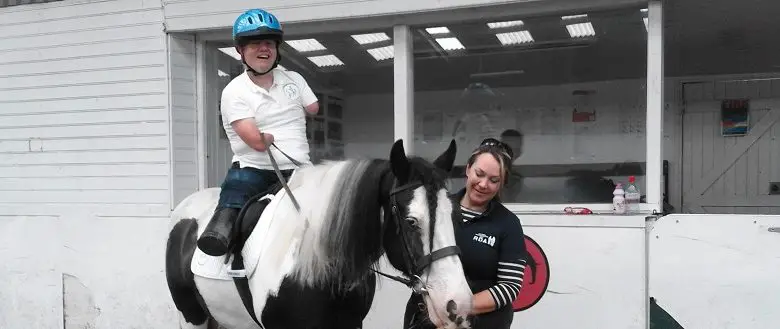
[[451, 308]]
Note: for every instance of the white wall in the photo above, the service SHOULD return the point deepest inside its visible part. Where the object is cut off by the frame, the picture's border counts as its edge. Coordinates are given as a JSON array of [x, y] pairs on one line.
[[706, 271], [716, 271], [184, 128], [84, 165], [597, 276]]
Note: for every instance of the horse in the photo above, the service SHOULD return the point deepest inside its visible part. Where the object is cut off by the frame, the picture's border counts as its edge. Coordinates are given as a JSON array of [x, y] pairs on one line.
[[320, 255]]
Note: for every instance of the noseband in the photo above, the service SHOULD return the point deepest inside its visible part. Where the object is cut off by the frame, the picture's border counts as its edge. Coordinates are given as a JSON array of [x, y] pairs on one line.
[[415, 266]]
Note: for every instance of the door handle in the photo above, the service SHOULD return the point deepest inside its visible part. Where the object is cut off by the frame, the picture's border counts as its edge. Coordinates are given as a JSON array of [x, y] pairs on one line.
[[774, 229]]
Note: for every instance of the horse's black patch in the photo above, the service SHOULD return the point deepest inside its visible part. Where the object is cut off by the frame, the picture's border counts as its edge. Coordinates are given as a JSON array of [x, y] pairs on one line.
[[324, 309], [181, 281]]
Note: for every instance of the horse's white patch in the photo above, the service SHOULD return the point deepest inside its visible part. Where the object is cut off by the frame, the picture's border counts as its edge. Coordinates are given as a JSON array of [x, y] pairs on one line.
[[444, 277]]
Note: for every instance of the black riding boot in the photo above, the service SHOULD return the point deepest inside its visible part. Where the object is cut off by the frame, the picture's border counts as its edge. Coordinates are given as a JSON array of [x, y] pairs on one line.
[[216, 238]]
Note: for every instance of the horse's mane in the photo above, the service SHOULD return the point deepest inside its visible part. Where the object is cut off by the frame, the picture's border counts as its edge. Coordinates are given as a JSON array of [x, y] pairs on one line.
[[343, 240]]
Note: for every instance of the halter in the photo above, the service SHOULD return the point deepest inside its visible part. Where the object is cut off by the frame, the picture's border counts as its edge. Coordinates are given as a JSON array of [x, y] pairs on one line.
[[415, 266]]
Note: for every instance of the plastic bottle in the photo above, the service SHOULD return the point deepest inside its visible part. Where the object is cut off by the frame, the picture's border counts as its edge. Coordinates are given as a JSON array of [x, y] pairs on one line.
[[632, 196], [618, 201]]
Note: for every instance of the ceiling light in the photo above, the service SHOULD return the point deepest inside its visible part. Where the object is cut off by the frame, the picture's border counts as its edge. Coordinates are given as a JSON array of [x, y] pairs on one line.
[[326, 60], [504, 24], [231, 51], [450, 43], [437, 30], [306, 45], [514, 38], [581, 30], [571, 17], [368, 38], [382, 53]]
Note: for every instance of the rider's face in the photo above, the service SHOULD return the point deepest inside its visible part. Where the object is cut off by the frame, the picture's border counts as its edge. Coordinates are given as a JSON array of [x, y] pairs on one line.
[[260, 54]]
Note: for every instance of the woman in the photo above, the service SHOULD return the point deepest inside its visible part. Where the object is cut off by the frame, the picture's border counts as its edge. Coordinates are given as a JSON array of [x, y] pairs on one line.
[[491, 240]]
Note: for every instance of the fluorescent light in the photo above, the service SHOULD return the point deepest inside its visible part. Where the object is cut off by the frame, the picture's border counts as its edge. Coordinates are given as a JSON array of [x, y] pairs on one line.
[[232, 52], [437, 30], [514, 38], [368, 38], [382, 53], [450, 43], [326, 60], [306, 45], [581, 16], [581, 30], [504, 24]]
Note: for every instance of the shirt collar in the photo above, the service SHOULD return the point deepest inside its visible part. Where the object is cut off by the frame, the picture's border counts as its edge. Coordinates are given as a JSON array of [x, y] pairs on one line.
[[457, 196], [279, 79]]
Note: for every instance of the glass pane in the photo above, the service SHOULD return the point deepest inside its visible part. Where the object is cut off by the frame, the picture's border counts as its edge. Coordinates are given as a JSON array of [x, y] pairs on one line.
[[724, 153], [348, 69], [567, 91]]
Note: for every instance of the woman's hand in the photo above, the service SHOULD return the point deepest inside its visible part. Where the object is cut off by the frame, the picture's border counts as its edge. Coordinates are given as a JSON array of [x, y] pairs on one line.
[[482, 303]]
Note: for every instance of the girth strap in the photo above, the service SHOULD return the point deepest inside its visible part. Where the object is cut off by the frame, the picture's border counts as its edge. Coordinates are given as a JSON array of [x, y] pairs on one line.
[[242, 285]]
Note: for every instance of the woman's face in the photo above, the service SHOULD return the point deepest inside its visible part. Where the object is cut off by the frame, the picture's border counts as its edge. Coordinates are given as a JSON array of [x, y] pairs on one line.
[[483, 179]]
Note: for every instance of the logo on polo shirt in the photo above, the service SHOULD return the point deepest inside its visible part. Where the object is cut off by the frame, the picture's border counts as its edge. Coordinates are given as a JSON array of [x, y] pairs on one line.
[[291, 91], [486, 239]]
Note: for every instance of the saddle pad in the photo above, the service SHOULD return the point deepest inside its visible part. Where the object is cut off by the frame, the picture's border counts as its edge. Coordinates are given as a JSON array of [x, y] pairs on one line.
[[273, 237]]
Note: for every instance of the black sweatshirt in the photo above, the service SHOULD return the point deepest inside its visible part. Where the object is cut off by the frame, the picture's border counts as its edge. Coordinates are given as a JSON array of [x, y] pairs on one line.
[[493, 255]]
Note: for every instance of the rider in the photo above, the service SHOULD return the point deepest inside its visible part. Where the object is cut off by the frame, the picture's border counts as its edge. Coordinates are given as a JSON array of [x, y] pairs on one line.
[[261, 108]]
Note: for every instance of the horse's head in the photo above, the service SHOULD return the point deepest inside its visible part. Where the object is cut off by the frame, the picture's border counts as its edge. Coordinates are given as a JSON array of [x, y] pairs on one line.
[[419, 237]]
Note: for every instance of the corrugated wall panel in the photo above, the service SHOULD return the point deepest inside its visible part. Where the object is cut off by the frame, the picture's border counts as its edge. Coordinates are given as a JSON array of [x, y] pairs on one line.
[[182, 71], [84, 110]]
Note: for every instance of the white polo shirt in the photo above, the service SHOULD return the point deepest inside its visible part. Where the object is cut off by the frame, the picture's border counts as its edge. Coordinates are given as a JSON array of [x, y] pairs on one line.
[[278, 111]]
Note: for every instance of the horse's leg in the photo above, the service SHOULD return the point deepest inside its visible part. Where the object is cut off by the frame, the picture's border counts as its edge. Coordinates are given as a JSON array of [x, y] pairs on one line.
[[181, 282]]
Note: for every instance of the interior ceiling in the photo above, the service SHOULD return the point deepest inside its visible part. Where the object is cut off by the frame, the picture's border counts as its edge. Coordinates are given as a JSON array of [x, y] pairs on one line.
[[702, 37]]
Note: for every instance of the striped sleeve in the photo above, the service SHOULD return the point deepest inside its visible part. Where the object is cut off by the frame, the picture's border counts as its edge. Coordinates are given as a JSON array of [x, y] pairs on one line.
[[510, 280]]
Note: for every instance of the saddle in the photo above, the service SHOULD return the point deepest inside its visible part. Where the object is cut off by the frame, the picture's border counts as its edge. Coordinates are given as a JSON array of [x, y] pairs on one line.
[[248, 217]]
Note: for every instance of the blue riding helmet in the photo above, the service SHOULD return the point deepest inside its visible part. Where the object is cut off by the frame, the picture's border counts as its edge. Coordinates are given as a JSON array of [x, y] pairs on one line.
[[256, 24]]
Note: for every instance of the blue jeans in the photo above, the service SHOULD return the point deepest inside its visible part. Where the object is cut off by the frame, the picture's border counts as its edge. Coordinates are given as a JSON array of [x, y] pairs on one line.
[[240, 184]]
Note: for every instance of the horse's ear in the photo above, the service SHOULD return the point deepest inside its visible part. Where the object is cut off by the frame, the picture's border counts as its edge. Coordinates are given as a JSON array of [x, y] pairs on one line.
[[398, 161], [447, 159]]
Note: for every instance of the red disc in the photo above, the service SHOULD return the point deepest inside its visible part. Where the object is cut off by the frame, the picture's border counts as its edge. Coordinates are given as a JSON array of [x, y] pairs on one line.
[[535, 278]]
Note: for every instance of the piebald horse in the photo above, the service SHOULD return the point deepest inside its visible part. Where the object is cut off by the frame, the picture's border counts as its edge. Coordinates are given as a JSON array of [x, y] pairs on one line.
[[319, 261]]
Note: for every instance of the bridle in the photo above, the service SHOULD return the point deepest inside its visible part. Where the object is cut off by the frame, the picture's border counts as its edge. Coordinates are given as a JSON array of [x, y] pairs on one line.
[[415, 266]]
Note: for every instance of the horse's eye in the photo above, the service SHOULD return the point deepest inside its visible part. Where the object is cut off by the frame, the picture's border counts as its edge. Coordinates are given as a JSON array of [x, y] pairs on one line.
[[412, 221]]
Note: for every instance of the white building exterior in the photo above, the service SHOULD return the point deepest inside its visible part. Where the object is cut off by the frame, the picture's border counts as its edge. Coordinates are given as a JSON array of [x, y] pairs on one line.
[[104, 128]]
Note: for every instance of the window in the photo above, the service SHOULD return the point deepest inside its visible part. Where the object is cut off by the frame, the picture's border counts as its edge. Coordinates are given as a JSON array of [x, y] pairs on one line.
[[567, 91]]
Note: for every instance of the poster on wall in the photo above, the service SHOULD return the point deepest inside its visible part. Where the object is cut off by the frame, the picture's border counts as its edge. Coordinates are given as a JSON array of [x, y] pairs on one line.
[[734, 117]]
